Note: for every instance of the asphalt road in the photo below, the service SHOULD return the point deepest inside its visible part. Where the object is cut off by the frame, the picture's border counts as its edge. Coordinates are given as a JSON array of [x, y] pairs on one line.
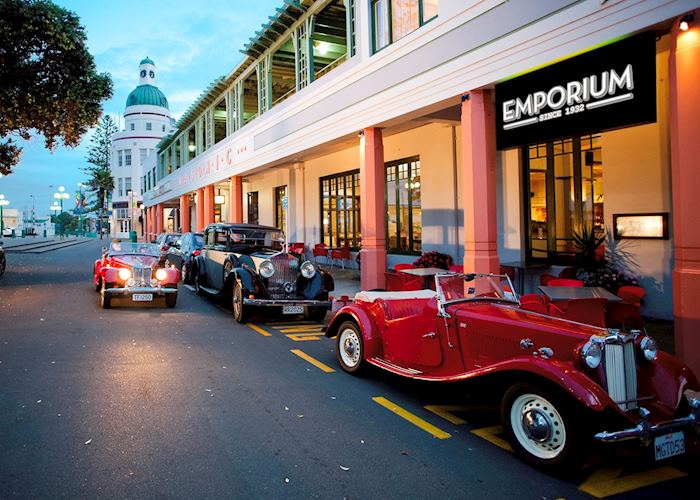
[[152, 402]]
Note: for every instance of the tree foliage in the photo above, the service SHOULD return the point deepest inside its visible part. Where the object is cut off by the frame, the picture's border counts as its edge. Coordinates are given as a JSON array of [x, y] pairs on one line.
[[48, 80], [101, 181]]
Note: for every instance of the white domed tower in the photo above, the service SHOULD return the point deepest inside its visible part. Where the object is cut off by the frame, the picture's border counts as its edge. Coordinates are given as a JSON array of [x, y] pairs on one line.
[[133, 160]]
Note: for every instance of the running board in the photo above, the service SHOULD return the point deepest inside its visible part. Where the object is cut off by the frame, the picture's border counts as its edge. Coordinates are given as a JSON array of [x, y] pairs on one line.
[[210, 291], [383, 363]]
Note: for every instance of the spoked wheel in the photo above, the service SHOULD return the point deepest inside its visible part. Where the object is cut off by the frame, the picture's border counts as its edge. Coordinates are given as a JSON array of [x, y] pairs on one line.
[[240, 311], [105, 298], [540, 426], [349, 349]]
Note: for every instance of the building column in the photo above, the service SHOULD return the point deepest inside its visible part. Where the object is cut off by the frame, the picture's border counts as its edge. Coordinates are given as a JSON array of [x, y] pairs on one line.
[[236, 199], [159, 219], [372, 211], [209, 204], [296, 194], [200, 210], [479, 182], [684, 73], [185, 213]]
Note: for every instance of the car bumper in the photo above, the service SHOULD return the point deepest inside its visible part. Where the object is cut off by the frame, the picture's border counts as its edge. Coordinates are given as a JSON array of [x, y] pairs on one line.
[[288, 302], [159, 291], [645, 431]]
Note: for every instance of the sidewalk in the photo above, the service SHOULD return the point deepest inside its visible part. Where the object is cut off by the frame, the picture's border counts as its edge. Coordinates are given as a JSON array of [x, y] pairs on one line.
[[347, 281], [8, 242]]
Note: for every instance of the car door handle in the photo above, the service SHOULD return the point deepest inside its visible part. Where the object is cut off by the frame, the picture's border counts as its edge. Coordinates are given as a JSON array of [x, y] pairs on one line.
[[430, 335]]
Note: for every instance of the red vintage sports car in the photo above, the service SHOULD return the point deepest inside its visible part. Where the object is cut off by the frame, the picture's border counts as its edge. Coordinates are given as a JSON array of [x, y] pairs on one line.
[[562, 382], [133, 271]]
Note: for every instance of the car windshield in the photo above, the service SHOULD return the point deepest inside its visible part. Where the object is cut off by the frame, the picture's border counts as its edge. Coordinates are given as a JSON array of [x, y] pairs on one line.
[[119, 248], [171, 238], [198, 240], [257, 237], [455, 287]]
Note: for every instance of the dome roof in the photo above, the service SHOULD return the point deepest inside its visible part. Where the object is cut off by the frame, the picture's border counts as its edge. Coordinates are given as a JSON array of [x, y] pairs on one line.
[[147, 61], [148, 95]]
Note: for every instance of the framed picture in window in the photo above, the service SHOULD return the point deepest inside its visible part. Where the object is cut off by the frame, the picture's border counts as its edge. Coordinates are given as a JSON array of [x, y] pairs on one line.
[[652, 226]]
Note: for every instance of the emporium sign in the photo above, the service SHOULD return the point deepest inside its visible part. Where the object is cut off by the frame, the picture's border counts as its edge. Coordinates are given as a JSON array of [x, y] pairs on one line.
[[610, 87]]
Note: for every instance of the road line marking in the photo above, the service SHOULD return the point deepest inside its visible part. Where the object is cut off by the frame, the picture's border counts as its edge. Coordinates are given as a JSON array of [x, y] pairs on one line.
[[414, 419], [444, 412], [282, 324], [321, 366], [490, 434], [301, 337], [301, 329], [259, 330], [608, 481]]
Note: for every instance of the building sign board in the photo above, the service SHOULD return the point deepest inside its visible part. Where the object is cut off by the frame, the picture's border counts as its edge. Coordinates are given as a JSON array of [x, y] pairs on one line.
[[607, 88], [641, 226]]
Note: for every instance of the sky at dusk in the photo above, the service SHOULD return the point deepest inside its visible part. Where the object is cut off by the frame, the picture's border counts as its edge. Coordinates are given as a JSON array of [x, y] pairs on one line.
[[191, 43]]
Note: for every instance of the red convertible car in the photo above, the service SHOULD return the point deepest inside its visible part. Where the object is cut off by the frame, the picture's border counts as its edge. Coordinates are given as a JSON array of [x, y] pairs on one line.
[[562, 382], [133, 271]]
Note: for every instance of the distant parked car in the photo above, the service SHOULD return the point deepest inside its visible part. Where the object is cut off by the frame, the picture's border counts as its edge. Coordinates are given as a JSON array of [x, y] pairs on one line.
[[133, 271], [3, 262], [183, 252], [7, 231], [250, 264]]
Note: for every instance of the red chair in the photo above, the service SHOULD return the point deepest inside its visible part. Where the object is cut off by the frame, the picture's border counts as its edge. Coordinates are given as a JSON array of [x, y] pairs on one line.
[[398, 267], [588, 311], [546, 278], [342, 255], [399, 282], [320, 250], [623, 315], [456, 268], [297, 248], [632, 294], [564, 282]]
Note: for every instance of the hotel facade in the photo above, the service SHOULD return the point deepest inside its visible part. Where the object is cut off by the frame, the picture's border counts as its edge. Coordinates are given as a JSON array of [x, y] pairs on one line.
[[489, 130]]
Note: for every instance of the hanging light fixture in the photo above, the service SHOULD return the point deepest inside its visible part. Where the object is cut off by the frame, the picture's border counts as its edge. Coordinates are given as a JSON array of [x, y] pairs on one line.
[[685, 22]]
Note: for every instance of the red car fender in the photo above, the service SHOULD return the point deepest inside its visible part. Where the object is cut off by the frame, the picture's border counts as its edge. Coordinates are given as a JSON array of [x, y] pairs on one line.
[[96, 271], [109, 274], [667, 377], [570, 380], [173, 275], [372, 343]]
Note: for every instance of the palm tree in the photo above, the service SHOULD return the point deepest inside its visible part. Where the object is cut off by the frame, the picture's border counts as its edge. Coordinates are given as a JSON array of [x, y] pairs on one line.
[[100, 184]]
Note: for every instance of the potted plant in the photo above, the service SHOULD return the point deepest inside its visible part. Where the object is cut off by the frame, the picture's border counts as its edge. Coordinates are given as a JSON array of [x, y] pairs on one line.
[[434, 259]]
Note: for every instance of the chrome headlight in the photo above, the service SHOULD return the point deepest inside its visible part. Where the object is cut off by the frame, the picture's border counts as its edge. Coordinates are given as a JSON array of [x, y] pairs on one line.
[[130, 282], [648, 347], [154, 282], [124, 274], [266, 269], [308, 270], [592, 354], [161, 274]]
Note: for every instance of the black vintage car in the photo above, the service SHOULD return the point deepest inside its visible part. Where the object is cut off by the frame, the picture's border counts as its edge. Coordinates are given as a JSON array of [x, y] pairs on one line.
[[183, 252], [250, 264]]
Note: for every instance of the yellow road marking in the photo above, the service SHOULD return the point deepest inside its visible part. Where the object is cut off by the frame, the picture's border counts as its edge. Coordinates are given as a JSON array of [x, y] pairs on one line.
[[259, 330], [321, 366], [608, 481], [490, 434], [301, 329], [300, 337], [415, 420], [444, 412], [282, 324]]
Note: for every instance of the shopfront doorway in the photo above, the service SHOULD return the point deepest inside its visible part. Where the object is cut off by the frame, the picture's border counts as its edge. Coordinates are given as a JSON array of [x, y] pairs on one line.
[[564, 189]]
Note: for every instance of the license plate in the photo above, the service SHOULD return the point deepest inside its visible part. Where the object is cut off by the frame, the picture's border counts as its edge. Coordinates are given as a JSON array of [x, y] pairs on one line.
[[142, 297], [292, 309], [669, 445]]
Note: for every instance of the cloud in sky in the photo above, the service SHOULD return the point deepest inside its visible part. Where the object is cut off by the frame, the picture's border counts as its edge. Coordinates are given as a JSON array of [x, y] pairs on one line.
[[192, 43]]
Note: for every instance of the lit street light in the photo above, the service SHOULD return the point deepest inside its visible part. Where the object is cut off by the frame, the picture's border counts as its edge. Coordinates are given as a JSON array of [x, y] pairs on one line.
[[3, 203], [61, 195]]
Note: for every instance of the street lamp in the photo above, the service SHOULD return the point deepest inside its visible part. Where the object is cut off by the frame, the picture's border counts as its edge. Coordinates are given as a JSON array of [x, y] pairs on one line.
[[61, 195], [80, 207], [3, 203]]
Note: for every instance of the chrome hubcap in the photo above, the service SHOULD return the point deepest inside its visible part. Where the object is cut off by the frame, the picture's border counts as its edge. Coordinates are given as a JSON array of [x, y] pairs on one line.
[[536, 425]]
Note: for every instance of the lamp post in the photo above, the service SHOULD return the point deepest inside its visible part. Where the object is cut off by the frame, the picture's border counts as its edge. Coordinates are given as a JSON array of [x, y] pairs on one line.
[[3, 203], [55, 208], [61, 195], [80, 208]]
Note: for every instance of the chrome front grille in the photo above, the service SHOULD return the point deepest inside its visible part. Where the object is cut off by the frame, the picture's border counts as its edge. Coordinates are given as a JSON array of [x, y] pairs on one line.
[[284, 281], [621, 373], [142, 275]]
